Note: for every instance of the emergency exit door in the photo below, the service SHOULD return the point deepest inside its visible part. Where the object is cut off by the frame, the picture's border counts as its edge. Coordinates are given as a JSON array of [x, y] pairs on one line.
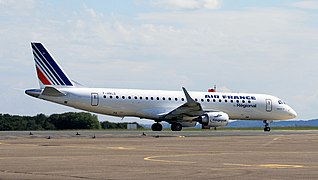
[[94, 99]]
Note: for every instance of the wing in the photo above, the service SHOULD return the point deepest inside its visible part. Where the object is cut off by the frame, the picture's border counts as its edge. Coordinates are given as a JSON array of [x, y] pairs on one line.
[[190, 108]]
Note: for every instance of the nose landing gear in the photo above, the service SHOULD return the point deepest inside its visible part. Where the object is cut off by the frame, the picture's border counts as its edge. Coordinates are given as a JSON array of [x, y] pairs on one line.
[[267, 128]]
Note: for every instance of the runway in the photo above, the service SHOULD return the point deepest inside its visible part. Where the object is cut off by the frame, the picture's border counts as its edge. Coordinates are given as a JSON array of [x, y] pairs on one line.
[[159, 155]]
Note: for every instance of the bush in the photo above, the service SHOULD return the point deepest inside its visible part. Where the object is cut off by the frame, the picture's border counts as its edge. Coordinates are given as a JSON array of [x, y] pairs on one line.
[[63, 121], [53, 122], [111, 125], [74, 121]]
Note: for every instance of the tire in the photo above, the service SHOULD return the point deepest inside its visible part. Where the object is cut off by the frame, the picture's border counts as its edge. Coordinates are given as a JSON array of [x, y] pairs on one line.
[[176, 127], [156, 127]]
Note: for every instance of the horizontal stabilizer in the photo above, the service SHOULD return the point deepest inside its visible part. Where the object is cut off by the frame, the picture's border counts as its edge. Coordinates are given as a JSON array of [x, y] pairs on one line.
[[51, 91]]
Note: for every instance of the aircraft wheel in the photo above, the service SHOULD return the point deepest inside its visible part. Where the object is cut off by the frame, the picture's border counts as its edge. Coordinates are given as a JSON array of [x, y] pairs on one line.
[[156, 127], [176, 127], [267, 129]]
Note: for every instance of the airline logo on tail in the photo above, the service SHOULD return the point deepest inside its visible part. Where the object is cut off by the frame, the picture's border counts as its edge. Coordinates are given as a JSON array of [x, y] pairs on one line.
[[47, 69]]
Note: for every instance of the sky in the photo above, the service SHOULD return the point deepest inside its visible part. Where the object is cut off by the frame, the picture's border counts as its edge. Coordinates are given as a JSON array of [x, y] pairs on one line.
[[253, 46]]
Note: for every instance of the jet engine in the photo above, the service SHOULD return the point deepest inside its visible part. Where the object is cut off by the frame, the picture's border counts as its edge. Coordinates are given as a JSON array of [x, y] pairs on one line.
[[214, 119]]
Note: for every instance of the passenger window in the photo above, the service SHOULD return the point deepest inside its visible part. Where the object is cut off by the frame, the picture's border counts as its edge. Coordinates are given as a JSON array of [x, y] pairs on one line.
[[163, 98], [220, 100], [213, 100], [182, 99], [176, 99], [202, 100], [151, 98], [169, 98], [111, 97], [237, 101], [129, 97], [117, 97], [208, 100], [146, 98], [136, 97], [231, 101], [225, 100], [123, 97], [104, 96], [158, 98], [140, 98], [196, 99], [243, 101]]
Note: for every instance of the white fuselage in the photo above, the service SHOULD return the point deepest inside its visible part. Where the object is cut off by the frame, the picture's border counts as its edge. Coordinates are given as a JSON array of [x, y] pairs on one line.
[[150, 104], [180, 109]]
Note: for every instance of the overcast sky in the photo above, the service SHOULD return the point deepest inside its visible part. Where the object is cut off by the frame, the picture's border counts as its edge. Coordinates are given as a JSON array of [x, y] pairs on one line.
[[252, 46]]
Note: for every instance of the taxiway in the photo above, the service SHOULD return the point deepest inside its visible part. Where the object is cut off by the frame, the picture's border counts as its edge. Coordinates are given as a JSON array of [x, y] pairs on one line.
[[159, 155]]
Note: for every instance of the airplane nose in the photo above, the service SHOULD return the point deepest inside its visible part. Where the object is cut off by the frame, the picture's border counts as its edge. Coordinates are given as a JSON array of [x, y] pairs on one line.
[[292, 113]]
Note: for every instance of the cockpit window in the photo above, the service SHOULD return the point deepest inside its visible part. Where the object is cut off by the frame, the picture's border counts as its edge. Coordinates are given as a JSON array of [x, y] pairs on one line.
[[281, 102]]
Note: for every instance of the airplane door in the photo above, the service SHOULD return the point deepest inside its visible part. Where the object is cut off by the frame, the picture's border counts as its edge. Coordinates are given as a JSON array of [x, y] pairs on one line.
[[268, 105], [94, 99]]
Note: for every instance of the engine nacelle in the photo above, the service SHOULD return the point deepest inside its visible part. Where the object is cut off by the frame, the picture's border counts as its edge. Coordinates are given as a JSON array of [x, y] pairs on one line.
[[214, 119]]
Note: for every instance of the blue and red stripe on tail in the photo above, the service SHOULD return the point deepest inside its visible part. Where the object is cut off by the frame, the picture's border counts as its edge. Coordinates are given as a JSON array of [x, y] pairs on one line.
[[48, 70]]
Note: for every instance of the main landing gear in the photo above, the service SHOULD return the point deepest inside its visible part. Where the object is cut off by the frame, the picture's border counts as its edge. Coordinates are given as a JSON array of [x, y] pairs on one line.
[[266, 128], [156, 127], [176, 127]]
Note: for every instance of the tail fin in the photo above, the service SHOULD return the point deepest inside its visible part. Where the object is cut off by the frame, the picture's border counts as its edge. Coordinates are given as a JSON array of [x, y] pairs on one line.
[[48, 70]]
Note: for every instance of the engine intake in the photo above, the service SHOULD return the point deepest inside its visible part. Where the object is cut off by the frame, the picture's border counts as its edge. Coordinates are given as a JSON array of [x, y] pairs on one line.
[[214, 119]]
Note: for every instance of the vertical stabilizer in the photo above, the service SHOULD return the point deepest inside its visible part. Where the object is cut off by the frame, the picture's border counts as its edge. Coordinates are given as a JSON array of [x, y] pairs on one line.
[[48, 70]]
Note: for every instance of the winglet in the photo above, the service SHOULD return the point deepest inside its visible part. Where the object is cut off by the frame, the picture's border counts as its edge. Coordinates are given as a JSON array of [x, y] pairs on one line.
[[188, 97]]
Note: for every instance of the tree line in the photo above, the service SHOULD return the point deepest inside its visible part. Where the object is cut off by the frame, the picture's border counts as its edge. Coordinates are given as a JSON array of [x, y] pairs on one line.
[[70, 120]]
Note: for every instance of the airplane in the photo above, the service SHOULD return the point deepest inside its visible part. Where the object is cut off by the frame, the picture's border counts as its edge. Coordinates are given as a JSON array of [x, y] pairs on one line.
[[178, 108]]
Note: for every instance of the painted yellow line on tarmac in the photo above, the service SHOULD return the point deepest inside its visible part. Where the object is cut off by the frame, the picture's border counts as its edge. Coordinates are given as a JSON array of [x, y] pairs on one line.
[[121, 148], [273, 166], [281, 166], [154, 158], [159, 158], [270, 142]]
